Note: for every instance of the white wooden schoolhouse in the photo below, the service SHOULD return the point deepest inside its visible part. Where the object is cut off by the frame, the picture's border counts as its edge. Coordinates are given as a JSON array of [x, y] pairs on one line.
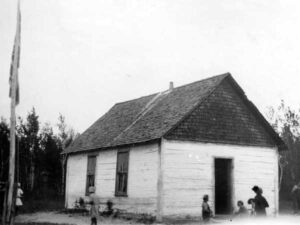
[[160, 154]]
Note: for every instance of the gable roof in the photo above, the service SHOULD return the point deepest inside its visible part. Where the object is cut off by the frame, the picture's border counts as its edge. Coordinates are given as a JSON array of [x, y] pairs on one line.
[[149, 118]]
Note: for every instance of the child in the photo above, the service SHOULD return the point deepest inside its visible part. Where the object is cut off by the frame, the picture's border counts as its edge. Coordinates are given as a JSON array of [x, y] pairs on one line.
[[242, 209], [294, 195], [18, 198], [93, 213], [252, 210], [206, 211]]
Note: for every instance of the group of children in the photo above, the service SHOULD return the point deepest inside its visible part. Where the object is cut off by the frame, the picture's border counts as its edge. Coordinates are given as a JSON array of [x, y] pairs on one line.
[[258, 206]]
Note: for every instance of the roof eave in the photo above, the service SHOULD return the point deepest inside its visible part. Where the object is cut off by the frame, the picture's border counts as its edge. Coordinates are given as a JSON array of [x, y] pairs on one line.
[[103, 148]]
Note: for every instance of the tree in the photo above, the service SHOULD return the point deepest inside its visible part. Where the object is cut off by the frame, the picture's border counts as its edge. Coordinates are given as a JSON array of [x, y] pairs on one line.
[[4, 149], [50, 176], [29, 147], [66, 134], [40, 169], [65, 137], [286, 121], [4, 157]]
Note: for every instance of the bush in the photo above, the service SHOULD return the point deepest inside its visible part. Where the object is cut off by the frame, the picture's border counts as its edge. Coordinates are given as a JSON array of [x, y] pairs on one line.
[[109, 209]]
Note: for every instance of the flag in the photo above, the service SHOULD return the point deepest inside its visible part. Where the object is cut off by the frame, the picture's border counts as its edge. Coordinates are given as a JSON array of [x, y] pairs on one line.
[[15, 61]]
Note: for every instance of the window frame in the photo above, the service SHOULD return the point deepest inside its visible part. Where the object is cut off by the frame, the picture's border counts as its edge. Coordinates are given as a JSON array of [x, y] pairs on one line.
[[117, 192], [90, 174]]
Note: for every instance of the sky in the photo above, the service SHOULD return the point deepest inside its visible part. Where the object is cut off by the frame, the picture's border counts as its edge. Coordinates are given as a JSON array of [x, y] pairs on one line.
[[79, 58]]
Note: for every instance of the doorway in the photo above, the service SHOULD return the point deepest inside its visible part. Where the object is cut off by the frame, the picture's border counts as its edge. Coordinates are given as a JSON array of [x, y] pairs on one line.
[[223, 186]]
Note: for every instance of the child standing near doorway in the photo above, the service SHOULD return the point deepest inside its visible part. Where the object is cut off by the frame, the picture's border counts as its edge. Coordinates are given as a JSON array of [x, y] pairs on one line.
[[206, 211]]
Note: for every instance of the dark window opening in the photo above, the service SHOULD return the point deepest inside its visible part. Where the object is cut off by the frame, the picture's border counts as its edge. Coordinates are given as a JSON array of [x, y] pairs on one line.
[[90, 175], [122, 173]]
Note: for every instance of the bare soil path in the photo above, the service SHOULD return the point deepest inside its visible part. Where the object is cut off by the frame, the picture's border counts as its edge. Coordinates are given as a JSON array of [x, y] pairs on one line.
[[75, 219], [62, 218]]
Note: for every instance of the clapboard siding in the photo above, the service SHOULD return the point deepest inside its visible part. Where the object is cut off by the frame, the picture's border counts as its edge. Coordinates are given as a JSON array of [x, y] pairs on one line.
[[106, 173], [142, 178], [189, 174], [143, 163], [76, 178]]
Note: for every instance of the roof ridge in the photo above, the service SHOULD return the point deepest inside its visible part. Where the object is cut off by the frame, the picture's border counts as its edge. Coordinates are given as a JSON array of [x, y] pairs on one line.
[[208, 78], [144, 110], [134, 99], [205, 79]]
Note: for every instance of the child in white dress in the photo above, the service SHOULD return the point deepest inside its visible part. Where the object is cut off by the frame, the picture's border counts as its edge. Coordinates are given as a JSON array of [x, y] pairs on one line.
[[19, 195]]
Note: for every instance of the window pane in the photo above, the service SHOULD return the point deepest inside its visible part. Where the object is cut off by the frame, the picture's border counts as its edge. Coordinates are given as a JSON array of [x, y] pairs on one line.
[[122, 161], [120, 183], [124, 183], [91, 165], [90, 175], [91, 180], [122, 171]]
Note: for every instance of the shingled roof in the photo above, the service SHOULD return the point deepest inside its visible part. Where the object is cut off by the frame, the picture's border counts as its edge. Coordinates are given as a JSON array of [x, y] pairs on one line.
[[147, 118]]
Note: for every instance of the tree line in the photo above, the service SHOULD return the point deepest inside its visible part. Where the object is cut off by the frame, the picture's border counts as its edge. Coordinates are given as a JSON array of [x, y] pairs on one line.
[[39, 161], [286, 121]]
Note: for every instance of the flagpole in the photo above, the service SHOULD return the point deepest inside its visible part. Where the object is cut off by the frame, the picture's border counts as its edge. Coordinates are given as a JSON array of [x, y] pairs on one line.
[[14, 100], [12, 155]]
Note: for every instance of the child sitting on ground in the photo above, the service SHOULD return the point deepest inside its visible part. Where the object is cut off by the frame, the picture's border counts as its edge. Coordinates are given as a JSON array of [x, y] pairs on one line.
[[242, 209]]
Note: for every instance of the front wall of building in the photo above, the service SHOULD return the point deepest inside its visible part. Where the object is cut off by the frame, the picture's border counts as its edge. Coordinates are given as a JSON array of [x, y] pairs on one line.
[[188, 174], [142, 179]]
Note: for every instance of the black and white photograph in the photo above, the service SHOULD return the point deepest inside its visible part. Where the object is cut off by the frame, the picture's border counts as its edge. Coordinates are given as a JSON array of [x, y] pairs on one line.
[[149, 112]]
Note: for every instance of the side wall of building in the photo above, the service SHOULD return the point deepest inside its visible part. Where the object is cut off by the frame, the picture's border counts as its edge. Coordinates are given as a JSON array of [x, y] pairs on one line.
[[188, 169], [75, 179], [142, 179]]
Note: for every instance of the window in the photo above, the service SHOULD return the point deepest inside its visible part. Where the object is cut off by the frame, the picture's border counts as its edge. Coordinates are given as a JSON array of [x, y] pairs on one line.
[[90, 175], [122, 173]]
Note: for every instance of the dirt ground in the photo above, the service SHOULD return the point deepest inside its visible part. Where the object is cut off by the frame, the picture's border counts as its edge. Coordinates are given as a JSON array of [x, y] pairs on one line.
[[62, 218]]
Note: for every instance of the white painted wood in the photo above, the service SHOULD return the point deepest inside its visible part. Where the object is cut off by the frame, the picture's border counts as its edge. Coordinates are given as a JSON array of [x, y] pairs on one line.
[[276, 184], [189, 174], [160, 179], [142, 179], [106, 173], [187, 169], [76, 178], [67, 184]]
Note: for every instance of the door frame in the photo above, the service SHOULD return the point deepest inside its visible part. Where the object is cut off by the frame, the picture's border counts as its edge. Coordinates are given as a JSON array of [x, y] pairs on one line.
[[214, 180]]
